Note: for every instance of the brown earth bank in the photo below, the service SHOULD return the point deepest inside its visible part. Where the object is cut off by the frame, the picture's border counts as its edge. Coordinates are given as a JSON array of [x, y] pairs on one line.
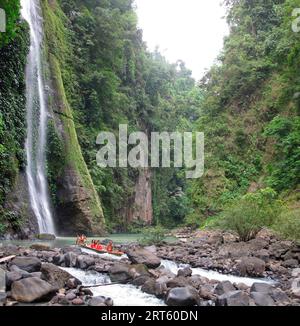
[[32, 276]]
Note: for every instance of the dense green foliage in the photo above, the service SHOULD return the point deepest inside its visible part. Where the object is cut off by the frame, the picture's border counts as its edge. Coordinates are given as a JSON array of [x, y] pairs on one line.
[[250, 112], [12, 111], [249, 214], [12, 14], [115, 80], [153, 236], [288, 226]]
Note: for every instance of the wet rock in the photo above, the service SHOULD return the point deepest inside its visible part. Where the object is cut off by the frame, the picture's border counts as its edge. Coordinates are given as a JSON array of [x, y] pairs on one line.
[[70, 259], [155, 287], [178, 282], [31, 289], [97, 302], [185, 272], [120, 273], [40, 246], [55, 276], [224, 287], [262, 299], [84, 262], [138, 270], [28, 264], [58, 260], [186, 296], [12, 277], [235, 298], [143, 256], [263, 254], [251, 266], [141, 280]]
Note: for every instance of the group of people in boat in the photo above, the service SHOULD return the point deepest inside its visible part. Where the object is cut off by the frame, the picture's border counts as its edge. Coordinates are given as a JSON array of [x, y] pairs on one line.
[[95, 244]]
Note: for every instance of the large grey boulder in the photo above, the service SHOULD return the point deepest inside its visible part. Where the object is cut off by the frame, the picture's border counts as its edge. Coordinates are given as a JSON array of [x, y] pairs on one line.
[[70, 259], [155, 287], [235, 298], [143, 256], [56, 276], [122, 273], [187, 296], [262, 299], [261, 288], [28, 264], [224, 287], [12, 277], [31, 290], [251, 266], [84, 261]]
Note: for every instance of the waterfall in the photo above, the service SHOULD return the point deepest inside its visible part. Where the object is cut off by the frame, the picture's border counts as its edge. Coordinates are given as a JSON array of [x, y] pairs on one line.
[[36, 120]]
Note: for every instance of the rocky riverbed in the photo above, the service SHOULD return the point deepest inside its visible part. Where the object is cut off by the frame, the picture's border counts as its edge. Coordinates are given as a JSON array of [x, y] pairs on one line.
[[41, 275]]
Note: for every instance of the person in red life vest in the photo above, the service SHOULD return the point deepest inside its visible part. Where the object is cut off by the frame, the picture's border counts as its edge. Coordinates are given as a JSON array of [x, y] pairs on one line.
[[110, 247], [99, 247]]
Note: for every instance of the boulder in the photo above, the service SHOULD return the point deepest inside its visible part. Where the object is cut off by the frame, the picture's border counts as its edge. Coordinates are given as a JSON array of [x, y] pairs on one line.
[[70, 259], [58, 260], [12, 277], [155, 287], [186, 296], [178, 282], [40, 246], [224, 287], [120, 273], [279, 248], [2, 281], [46, 237], [72, 283], [185, 272], [235, 298], [32, 289], [280, 297], [262, 299], [28, 264], [251, 266], [97, 302], [55, 276], [143, 256], [84, 261], [77, 302], [261, 288], [141, 280], [296, 272]]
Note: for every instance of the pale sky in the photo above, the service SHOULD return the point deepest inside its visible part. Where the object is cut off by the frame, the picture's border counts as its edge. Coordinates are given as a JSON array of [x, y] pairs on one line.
[[189, 30]]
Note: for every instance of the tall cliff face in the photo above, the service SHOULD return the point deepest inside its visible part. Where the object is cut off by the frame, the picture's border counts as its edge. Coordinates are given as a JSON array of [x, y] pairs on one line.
[[76, 203]]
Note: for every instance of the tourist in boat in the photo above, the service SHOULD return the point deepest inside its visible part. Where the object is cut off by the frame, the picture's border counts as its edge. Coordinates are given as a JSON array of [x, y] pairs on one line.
[[110, 247], [99, 246]]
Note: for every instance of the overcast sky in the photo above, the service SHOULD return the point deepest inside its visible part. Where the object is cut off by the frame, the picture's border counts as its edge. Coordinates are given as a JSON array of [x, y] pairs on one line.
[[190, 30]]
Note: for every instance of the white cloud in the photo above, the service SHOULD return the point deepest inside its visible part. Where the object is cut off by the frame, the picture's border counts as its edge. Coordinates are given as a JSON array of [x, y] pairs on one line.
[[190, 30]]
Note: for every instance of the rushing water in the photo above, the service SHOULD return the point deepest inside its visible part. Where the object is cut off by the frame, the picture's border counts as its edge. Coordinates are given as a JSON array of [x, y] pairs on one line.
[[212, 275], [36, 120], [121, 294]]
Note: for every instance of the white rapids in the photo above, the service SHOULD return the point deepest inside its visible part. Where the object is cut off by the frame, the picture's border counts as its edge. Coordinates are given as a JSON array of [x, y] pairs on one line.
[[212, 275]]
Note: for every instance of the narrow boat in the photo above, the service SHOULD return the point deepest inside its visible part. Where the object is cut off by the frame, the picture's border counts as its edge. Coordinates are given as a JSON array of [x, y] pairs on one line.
[[103, 251]]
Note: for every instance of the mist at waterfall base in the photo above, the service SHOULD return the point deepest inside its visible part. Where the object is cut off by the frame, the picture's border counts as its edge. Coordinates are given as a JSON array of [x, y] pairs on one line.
[[36, 120]]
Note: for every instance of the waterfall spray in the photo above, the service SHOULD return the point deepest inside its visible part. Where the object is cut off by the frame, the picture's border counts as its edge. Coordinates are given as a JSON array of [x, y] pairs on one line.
[[36, 120]]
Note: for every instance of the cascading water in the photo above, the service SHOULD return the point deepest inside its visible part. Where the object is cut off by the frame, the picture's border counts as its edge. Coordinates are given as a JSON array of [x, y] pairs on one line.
[[36, 120]]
